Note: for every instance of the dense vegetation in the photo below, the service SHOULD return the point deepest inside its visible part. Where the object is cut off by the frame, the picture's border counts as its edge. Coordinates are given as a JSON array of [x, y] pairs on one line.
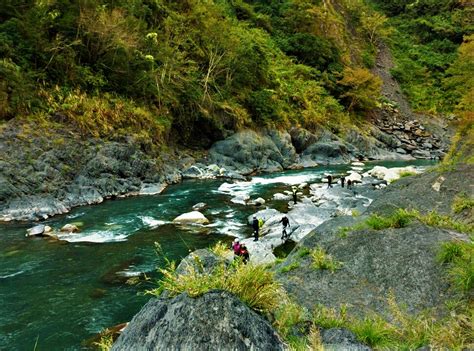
[[198, 69], [435, 73]]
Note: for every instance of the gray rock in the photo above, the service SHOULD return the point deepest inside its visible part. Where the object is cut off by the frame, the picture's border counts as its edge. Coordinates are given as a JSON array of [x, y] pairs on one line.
[[327, 152], [341, 339], [199, 206], [36, 230], [201, 260], [374, 263], [247, 152], [421, 154], [214, 321]]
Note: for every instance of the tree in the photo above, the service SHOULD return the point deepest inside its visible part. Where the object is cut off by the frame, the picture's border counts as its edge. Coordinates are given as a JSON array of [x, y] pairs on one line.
[[362, 88]]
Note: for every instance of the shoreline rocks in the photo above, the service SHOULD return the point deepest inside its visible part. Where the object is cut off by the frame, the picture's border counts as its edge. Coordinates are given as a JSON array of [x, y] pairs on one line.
[[74, 172]]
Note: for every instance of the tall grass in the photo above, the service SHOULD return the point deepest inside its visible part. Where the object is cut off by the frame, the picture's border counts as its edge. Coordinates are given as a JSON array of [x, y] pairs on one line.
[[403, 331]]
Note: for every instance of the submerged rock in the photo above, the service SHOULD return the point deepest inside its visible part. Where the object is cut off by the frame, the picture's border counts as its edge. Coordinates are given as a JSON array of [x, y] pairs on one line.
[[216, 320]]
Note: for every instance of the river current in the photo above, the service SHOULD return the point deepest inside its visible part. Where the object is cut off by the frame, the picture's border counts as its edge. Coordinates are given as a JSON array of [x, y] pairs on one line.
[[58, 294]]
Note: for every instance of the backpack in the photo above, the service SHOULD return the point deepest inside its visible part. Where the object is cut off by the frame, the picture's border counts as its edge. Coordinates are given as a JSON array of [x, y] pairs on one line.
[[260, 223]]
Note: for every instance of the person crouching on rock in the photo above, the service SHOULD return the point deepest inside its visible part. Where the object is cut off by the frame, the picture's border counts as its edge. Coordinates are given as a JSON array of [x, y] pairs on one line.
[[255, 227], [244, 253], [236, 247]]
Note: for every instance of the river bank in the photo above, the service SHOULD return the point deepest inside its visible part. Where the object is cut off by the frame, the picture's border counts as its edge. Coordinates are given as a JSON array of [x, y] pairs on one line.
[[50, 172]]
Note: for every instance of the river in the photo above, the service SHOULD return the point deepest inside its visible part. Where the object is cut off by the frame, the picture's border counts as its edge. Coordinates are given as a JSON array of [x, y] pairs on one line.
[[58, 294]]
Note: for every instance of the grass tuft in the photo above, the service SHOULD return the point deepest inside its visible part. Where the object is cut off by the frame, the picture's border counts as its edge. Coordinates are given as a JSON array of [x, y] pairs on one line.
[[220, 249], [399, 219], [461, 203], [304, 251], [290, 267], [322, 260]]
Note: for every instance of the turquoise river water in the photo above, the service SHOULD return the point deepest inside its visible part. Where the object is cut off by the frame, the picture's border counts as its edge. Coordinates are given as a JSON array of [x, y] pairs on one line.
[[59, 294]]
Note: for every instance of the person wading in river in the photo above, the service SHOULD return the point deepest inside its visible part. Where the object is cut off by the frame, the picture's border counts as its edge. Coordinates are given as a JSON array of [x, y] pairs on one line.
[[255, 227]]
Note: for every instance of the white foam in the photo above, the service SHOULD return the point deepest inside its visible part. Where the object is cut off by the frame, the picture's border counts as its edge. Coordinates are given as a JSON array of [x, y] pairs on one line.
[[99, 236], [75, 215], [11, 275], [151, 222]]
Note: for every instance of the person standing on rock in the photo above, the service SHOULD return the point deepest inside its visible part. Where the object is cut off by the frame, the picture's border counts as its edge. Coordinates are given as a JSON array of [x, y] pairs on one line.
[[343, 180], [286, 223], [329, 181], [294, 191], [349, 184], [255, 227]]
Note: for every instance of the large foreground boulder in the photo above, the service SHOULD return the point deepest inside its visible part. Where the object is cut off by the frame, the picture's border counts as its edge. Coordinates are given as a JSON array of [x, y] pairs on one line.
[[215, 321]]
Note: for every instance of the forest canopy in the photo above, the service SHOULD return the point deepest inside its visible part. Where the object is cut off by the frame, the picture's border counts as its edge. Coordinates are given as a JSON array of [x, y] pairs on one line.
[[198, 69]]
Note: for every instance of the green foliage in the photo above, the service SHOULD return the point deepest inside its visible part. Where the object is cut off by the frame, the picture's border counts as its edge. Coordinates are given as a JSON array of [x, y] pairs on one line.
[[304, 251], [426, 36], [403, 331], [322, 260], [290, 267], [436, 220], [220, 249], [404, 174], [399, 219], [362, 88], [462, 202], [254, 285], [450, 251], [105, 343], [288, 315], [460, 257], [373, 331]]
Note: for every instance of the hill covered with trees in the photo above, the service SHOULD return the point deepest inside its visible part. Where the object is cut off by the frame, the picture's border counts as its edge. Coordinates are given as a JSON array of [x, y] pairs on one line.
[[194, 71]]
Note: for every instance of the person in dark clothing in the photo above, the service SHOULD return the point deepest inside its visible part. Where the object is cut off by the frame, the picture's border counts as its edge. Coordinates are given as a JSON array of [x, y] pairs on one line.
[[329, 181], [349, 184], [255, 227], [343, 180], [294, 191], [244, 253], [286, 223]]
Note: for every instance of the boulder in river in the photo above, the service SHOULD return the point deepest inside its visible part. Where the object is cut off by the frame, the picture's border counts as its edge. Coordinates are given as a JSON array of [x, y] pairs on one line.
[[193, 217], [216, 320], [36, 230], [199, 206], [70, 228]]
